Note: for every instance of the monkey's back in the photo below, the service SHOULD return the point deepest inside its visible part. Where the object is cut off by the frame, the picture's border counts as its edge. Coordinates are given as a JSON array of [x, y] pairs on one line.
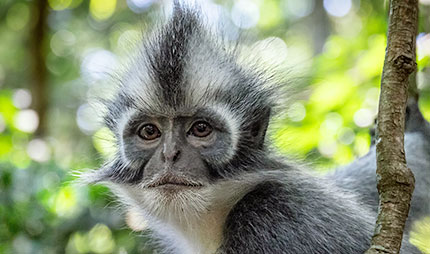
[[300, 213]]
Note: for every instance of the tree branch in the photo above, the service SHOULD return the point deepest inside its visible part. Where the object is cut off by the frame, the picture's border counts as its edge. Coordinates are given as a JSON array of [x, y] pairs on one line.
[[395, 179]]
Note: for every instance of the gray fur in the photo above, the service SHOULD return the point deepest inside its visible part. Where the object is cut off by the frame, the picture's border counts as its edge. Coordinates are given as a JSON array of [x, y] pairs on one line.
[[226, 193]]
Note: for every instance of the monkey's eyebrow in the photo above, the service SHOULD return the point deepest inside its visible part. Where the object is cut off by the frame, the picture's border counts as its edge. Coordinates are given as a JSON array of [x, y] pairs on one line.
[[136, 119], [213, 117]]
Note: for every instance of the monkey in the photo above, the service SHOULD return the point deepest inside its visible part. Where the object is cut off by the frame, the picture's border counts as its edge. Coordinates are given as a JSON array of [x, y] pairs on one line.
[[190, 119]]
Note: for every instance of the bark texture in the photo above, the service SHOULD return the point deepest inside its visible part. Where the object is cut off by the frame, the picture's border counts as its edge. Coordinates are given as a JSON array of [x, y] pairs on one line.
[[395, 179]]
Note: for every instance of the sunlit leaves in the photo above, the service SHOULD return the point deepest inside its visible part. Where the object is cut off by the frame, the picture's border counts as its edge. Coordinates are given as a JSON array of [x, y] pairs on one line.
[[18, 16], [270, 14], [331, 93], [344, 83], [98, 240], [104, 142], [102, 9], [64, 203], [421, 234], [423, 63], [425, 105], [59, 5], [370, 61]]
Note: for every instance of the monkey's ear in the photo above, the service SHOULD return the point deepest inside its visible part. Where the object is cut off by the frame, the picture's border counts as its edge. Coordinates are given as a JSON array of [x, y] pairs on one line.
[[259, 128]]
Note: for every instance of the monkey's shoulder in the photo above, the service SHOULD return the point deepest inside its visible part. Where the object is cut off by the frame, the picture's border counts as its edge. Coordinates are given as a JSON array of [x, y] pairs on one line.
[[295, 215]]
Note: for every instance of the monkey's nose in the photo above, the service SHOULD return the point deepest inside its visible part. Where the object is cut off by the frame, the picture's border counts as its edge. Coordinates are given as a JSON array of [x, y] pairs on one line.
[[171, 155]]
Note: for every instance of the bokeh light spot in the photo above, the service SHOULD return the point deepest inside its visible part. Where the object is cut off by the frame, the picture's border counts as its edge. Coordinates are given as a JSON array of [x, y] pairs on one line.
[[333, 121], [346, 136], [270, 14], [128, 39], [65, 202], [296, 112], [100, 239], [299, 9], [245, 14], [139, 6], [21, 98], [19, 158], [62, 42], [362, 143], [59, 5], [363, 117], [102, 9], [38, 150], [273, 50], [87, 119], [18, 16], [372, 97], [21, 244], [26, 120], [97, 64], [327, 147], [337, 8], [423, 45]]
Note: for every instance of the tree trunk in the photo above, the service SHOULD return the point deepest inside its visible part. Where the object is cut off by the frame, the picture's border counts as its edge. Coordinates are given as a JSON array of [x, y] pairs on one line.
[[39, 82], [395, 179]]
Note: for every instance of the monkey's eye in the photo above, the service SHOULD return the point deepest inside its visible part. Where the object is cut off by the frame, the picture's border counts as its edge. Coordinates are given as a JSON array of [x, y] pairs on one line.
[[149, 132], [200, 129]]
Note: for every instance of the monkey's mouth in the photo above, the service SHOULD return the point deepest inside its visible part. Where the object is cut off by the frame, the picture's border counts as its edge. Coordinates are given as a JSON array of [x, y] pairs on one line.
[[170, 180]]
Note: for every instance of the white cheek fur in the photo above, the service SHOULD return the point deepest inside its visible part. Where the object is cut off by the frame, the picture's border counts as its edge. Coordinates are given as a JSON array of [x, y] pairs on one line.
[[121, 124], [233, 126]]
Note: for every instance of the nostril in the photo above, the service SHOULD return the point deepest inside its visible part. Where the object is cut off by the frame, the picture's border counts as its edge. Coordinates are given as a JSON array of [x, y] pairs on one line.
[[171, 156], [176, 156]]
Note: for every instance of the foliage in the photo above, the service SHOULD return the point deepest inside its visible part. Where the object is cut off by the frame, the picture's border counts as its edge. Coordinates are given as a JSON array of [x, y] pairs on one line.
[[335, 63]]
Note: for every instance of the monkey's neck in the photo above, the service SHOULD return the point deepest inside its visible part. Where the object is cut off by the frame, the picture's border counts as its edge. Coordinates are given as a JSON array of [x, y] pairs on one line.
[[199, 235]]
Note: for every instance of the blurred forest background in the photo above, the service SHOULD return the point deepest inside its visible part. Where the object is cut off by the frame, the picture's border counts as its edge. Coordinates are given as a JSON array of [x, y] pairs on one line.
[[54, 54]]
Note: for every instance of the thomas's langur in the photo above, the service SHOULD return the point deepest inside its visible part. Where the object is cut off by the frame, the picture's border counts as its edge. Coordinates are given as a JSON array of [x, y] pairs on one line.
[[190, 118]]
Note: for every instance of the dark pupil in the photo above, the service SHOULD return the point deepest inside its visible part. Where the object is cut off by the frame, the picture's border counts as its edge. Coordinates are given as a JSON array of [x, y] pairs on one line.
[[150, 130], [201, 127]]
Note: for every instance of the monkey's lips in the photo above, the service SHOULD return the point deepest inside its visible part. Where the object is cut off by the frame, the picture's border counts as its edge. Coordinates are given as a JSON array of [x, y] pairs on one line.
[[171, 181]]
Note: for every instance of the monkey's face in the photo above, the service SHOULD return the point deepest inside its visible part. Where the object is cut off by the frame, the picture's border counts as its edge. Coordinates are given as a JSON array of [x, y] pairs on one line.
[[174, 159], [174, 153]]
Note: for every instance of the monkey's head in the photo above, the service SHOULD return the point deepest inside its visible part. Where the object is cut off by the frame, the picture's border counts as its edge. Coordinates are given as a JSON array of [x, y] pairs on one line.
[[188, 114]]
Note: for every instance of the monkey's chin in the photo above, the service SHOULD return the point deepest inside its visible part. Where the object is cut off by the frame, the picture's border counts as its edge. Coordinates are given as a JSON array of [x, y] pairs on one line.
[[172, 201], [175, 187]]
